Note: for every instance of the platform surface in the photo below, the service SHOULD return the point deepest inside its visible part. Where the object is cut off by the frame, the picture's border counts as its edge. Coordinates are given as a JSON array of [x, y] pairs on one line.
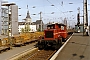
[[78, 48]]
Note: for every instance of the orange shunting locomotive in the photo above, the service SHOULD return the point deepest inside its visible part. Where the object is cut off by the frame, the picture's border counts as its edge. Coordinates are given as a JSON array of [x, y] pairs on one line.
[[53, 36]]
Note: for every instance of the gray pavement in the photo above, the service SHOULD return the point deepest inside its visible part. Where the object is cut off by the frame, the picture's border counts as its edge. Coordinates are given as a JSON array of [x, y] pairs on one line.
[[78, 48], [14, 50]]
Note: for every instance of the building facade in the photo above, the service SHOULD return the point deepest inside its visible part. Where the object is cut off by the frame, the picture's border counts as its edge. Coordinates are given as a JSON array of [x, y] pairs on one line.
[[9, 18], [22, 26], [38, 25], [27, 26], [4, 21]]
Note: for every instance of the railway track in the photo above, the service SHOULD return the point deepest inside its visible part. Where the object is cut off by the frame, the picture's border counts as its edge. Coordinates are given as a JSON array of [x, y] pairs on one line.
[[42, 55], [35, 54]]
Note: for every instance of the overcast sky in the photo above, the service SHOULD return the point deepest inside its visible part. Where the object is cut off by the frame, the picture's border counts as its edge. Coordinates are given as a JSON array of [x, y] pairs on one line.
[[60, 9]]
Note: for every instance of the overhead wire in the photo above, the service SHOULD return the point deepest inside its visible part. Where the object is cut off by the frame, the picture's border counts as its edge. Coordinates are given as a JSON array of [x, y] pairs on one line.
[[50, 3], [55, 7], [51, 18], [62, 3]]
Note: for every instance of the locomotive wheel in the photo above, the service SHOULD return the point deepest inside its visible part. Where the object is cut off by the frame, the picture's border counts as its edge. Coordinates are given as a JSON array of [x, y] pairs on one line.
[[63, 39], [41, 45], [60, 41], [58, 45]]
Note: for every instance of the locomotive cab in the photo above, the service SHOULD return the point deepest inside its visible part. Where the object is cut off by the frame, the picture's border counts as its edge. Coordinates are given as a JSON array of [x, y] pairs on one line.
[[51, 33], [53, 36], [54, 31]]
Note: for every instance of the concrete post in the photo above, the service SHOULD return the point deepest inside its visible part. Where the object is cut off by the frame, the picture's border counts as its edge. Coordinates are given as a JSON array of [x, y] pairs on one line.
[[85, 18]]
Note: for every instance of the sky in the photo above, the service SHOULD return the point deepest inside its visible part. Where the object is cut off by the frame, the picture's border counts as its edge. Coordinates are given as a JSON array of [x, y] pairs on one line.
[[61, 10]]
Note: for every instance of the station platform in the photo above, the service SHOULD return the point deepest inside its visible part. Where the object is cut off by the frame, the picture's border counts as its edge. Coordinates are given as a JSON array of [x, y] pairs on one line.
[[77, 48]]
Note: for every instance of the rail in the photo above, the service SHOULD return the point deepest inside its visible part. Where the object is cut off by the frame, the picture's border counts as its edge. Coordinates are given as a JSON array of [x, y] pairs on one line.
[[15, 57]]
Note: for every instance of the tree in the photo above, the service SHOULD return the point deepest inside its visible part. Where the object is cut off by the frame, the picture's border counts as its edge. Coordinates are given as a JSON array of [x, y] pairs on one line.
[[27, 28], [22, 30], [38, 30]]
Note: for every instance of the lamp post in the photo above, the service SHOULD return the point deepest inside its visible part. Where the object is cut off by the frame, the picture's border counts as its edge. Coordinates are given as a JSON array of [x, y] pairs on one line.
[[70, 19], [8, 5], [41, 20]]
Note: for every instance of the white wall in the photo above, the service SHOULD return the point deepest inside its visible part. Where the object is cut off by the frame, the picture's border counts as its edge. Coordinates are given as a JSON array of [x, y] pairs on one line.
[[20, 27], [32, 27]]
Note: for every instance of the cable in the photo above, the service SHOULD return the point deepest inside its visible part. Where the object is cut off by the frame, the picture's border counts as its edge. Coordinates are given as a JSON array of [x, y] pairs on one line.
[[55, 7], [61, 4]]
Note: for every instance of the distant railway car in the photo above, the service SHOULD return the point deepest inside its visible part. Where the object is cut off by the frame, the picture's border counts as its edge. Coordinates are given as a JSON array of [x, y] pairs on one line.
[[53, 36]]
